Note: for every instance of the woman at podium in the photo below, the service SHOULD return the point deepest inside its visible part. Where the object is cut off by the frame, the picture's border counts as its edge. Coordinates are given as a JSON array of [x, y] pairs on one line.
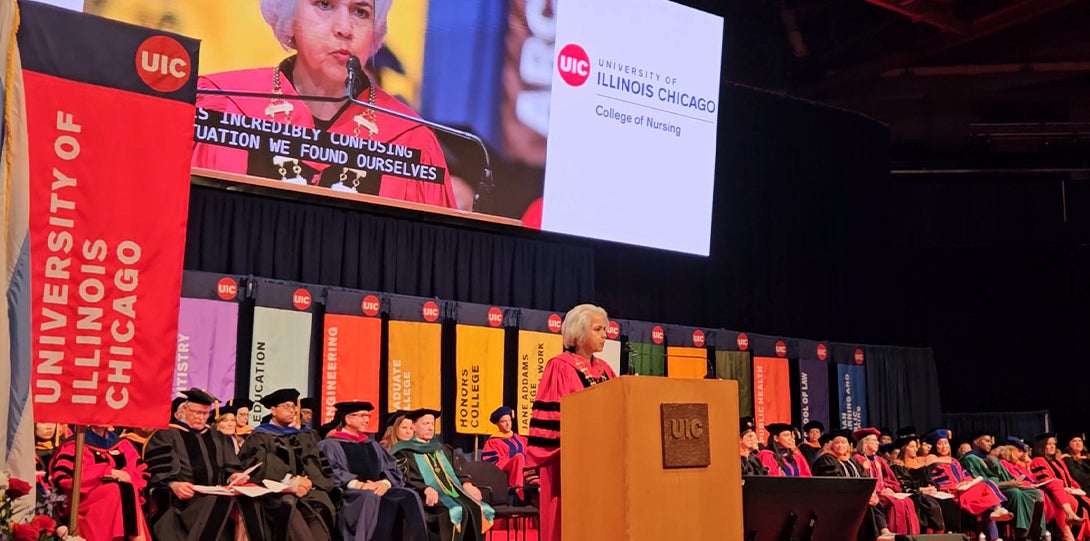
[[584, 334]]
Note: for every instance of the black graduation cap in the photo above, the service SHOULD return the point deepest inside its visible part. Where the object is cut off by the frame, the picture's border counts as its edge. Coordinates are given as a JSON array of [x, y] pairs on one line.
[[198, 396], [1045, 436], [278, 397], [902, 441], [224, 410], [266, 419], [775, 429], [884, 432], [392, 418], [309, 403], [828, 437], [416, 414], [977, 434], [241, 402], [906, 431], [344, 408], [886, 448], [745, 424], [1067, 439], [500, 412], [174, 404], [812, 425]]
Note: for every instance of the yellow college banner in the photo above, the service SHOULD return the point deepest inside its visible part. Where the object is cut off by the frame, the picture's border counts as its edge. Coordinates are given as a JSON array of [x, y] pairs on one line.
[[686, 362], [413, 376], [479, 366], [535, 349]]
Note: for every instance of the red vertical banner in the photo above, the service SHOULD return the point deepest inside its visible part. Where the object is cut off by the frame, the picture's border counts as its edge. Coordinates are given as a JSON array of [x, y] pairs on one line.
[[771, 393], [351, 350], [109, 143]]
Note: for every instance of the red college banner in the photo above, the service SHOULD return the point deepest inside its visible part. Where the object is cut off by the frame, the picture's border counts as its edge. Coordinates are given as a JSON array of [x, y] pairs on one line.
[[109, 138], [771, 393], [351, 351]]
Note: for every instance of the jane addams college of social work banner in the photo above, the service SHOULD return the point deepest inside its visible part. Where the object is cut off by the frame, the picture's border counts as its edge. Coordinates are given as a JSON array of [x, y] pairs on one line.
[[479, 364], [280, 354], [109, 137], [207, 334], [415, 344], [539, 341], [351, 351]]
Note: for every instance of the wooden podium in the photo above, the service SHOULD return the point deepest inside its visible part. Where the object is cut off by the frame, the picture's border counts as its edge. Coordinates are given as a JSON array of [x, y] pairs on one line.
[[631, 455]]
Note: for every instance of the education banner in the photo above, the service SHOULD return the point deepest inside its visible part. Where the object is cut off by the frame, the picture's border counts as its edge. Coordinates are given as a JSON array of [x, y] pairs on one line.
[[351, 351], [415, 354], [109, 138], [280, 352], [538, 341], [478, 364], [814, 383], [852, 393], [207, 334], [771, 393]]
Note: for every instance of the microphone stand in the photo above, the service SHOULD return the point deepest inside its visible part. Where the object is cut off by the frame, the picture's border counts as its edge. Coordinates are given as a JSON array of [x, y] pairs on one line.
[[485, 186]]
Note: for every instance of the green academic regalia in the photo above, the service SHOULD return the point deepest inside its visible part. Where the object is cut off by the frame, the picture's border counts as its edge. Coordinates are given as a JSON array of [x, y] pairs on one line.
[[1020, 501], [457, 516]]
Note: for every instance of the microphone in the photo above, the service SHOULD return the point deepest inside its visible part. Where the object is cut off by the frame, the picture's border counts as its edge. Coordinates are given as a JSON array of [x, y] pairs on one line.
[[353, 86]]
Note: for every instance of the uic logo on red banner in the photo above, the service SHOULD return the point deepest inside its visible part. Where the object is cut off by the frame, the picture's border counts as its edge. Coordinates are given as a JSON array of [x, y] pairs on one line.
[[370, 305], [858, 356], [657, 334], [613, 330], [162, 63], [227, 288], [743, 341], [822, 352], [495, 316], [781, 349], [698, 338], [574, 64], [555, 322], [300, 299], [430, 311]]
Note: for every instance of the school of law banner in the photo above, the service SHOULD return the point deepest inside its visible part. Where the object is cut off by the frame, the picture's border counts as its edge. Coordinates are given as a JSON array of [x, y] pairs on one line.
[[852, 392], [415, 354], [686, 355], [647, 347], [771, 393], [280, 353], [539, 341], [478, 363], [109, 111], [207, 334], [351, 351], [736, 365], [814, 382]]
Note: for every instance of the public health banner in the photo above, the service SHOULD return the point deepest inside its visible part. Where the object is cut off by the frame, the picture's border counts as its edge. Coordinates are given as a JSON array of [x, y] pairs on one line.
[[415, 354], [771, 393], [280, 353], [207, 334], [539, 341], [686, 356], [647, 347], [852, 393], [351, 351], [109, 111], [478, 363], [813, 383]]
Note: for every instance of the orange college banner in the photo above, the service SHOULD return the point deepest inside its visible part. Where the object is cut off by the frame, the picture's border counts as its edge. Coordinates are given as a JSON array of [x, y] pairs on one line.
[[415, 354], [686, 362], [771, 393], [351, 347]]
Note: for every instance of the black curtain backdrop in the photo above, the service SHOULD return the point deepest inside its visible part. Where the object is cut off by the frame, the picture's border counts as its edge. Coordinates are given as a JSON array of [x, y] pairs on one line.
[[1023, 424], [902, 387]]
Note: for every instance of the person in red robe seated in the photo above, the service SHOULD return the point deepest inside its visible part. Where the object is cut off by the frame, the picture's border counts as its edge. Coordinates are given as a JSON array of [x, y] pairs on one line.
[[507, 450], [111, 481], [584, 334], [900, 511], [1059, 486], [344, 146], [978, 497], [782, 457]]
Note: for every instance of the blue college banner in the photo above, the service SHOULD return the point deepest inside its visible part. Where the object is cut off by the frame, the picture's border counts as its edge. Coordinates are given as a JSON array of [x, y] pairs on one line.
[[852, 390]]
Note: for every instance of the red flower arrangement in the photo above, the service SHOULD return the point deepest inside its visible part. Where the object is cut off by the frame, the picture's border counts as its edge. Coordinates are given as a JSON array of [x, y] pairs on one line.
[[25, 532], [17, 488], [44, 524]]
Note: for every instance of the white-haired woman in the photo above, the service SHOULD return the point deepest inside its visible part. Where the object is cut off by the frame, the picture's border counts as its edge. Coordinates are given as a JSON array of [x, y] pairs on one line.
[[324, 34], [584, 333]]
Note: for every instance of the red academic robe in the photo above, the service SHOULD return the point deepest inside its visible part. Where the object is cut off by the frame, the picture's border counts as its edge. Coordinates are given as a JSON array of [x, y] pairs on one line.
[[977, 499], [901, 513], [108, 509], [564, 374], [508, 453], [1059, 479], [391, 130], [800, 468]]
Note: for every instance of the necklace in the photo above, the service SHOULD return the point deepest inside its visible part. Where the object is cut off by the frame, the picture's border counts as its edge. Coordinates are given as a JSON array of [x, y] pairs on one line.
[[366, 119], [278, 105], [591, 380]]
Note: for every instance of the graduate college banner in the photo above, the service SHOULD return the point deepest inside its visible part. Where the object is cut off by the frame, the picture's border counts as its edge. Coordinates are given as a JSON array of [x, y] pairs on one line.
[[109, 111], [351, 351], [814, 383], [280, 354], [479, 365], [686, 356], [415, 344], [207, 334], [539, 341], [851, 388], [771, 393]]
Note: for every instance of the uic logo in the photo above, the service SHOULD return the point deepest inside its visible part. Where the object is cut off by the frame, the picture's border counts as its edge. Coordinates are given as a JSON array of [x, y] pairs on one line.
[[743, 341], [300, 299], [686, 428], [555, 322], [495, 316], [657, 335], [162, 63], [430, 311], [781, 349], [574, 64], [370, 305], [227, 288]]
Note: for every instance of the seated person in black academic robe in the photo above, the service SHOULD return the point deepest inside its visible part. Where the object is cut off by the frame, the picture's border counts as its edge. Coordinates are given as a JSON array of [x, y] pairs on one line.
[[452, 505], [283, 452], [188, 453], [748, 446], [376, 504], [811, 446]]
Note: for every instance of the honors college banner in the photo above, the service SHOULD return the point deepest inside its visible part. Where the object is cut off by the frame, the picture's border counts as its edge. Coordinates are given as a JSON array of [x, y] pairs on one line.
[[539, 341], [852, 391], [280, 356], [207, 334], [478, 362], [351, 350], [415, 340], [109, 111], [771, 393]]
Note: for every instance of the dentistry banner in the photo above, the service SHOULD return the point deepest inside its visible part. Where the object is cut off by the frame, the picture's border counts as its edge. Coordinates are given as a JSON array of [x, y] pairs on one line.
[[539, 341], [478, 364], [351, 351], [109, 110], [771, 393], [208, 334], [280, 350], [415, 354]]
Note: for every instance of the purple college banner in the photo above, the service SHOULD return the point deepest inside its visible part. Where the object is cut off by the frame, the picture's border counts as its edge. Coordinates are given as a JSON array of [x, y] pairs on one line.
[[207, 342], [814, 392]]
